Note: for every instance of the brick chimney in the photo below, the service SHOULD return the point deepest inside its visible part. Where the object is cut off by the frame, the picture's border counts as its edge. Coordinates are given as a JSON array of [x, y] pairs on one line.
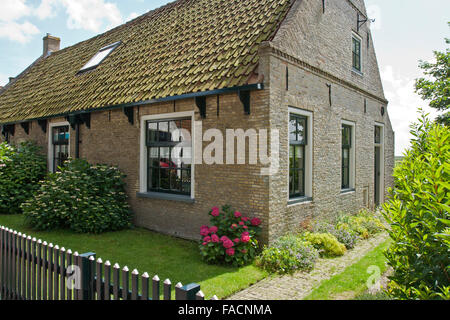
[[51, 44]]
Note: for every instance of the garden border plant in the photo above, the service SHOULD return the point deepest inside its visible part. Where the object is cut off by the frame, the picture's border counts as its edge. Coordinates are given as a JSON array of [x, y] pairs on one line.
[[231, 239]]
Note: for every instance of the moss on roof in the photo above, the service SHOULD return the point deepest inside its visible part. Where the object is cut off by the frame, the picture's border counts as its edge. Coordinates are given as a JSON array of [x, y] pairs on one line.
[[186, 46]]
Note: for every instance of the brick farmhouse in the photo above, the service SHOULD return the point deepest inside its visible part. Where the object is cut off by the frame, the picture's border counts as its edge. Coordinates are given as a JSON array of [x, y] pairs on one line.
[[304, 69]]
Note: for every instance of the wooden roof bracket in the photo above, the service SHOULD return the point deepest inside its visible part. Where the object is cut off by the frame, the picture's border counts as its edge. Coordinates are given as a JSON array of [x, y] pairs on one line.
[[200, 101], [43, 124], [244, 96], [26, 127], [79, 119], [129, 112]]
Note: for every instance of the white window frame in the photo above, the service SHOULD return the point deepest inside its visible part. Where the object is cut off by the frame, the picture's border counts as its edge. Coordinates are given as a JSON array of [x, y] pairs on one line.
[[360, 39], [143, 148], [382, 160], [352, 171], [50, 141], [308, 158]]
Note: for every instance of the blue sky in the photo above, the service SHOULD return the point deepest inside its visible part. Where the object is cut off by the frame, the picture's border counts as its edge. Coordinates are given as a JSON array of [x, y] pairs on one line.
[[404, 32]]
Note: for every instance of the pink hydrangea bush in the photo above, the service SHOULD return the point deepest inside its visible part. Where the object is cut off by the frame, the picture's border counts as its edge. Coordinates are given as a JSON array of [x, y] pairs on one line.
[[231, 239]]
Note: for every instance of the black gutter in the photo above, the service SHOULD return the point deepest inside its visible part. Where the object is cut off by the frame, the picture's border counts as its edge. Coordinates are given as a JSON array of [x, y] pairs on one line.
[[250, 87]]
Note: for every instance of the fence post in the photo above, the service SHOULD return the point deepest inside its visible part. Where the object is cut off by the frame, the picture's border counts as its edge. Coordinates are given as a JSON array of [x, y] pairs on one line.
[[188, 292], [87, 276]]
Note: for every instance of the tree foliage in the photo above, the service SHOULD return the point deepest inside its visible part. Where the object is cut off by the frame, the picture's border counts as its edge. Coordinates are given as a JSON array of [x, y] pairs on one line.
[[436, 87], [418, 214]]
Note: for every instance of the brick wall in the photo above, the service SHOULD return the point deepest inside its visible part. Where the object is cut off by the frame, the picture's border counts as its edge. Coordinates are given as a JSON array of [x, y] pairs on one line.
[[316, 48]]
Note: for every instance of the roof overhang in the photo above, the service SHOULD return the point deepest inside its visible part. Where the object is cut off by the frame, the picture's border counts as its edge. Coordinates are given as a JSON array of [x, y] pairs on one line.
[[241, 90]]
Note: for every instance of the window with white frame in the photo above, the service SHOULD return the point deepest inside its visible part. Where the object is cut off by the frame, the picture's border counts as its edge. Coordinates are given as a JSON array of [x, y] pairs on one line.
[[59, 145], [356, 53], [167, 154], [300, 154], [348, 156]]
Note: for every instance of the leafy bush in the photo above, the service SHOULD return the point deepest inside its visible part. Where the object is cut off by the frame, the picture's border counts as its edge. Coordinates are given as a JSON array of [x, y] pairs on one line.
[[326, 243], [418, 214], [231, 239], [347, 237], [82, 197], [21, 169], [289, 254], [365, 224]]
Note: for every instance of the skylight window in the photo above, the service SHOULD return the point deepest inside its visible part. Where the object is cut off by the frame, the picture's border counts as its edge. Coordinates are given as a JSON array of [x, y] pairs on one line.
[[101, 55]]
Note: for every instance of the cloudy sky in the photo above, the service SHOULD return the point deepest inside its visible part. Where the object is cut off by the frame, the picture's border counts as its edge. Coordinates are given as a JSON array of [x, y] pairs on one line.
[[405, 31]]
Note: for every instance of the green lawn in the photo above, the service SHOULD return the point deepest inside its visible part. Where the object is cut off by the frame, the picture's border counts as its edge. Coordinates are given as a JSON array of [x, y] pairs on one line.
[[351, 282], [168, 257]]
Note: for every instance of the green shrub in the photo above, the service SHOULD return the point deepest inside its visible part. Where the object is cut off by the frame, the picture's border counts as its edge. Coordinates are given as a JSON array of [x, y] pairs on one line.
[[82, 197], [365, 224], [326, 243], [21, 169], [289, 254], [418, 214], [347, 237]]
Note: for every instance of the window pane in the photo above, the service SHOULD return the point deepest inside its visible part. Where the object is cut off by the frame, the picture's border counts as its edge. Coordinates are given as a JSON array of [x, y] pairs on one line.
[[300, 182], [301, 130], [153, 155], [345, 178], [164, 134], [295, 182], [299, 157], [291, 156], [152, 133], [154, 178], [186, 181], [293, 129], [345, 157], [346, 136], [291, 182], [164, 179], [164, 157], [175, 180], [377, 134]]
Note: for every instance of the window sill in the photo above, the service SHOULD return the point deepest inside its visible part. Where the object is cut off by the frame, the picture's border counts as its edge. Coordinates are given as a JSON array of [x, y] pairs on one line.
[[347, 191], [302, 200], [359, 73], [165, 196]]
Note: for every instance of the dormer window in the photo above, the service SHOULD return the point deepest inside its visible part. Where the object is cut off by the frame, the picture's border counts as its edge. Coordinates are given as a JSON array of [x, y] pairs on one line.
[[101, 55]]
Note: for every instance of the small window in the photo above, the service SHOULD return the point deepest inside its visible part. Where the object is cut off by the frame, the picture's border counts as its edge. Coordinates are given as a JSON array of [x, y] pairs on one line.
[[297, 155], [356, 53], [101, 55], [60, 142], [377, 135], [169, 156], [346, 155]]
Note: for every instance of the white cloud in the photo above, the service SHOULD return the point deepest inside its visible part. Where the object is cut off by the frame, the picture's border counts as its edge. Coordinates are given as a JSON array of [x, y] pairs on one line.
[[12, 10], [374, 12], [46, 9], [92, 14], [19, 32], [10, 28], [403, 106]]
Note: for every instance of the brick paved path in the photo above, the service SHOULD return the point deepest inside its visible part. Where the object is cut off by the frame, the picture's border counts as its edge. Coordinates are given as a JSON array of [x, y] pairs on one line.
[[299, 285]]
